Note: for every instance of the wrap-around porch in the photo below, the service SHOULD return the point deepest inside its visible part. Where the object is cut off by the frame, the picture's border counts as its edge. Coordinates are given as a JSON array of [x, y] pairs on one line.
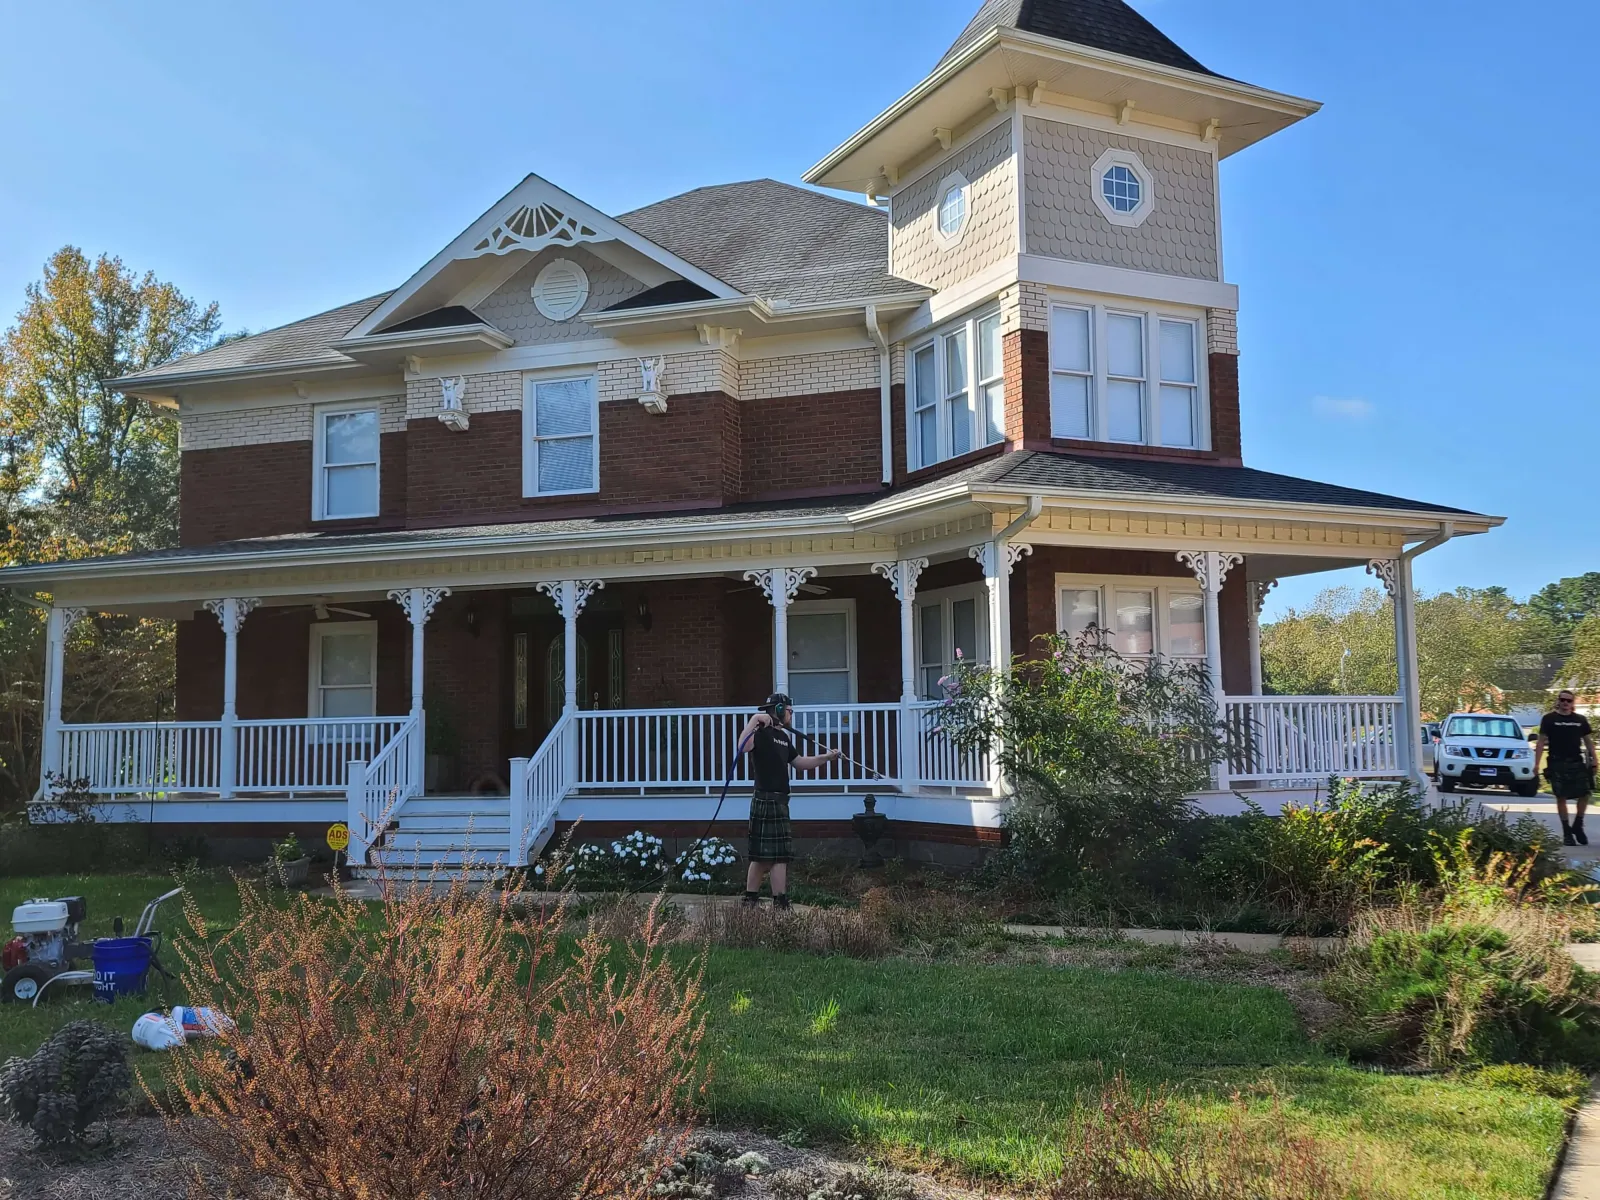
[[563, 694]]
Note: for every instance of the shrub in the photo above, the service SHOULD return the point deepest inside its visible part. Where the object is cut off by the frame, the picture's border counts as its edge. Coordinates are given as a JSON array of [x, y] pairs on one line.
[[433, 1044], [705, 861], [1101, 751], [1131, 1148], [77, 1077], [842, 931], [288, 850], [635, 859]]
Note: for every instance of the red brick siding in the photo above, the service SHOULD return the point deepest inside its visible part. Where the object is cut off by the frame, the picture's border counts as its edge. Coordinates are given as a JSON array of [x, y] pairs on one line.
[[799, 444], [1027, 376], [680, 661], [1226, 437], [466, 667]]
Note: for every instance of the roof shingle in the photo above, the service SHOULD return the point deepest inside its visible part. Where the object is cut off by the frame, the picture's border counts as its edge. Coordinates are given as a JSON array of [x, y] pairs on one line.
[[1100, 24]]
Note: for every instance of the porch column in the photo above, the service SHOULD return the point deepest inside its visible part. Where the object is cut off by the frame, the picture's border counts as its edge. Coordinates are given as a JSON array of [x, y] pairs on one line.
[[1395, 575], [1258, 599], [902, 577], [780, 585], [418, 605], [570, 596], [57, 627], [998, 558], [1211, 568], [231, 614]]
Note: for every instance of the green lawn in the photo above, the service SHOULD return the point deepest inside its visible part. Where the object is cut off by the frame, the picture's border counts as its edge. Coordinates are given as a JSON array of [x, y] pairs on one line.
[[977, 1067]]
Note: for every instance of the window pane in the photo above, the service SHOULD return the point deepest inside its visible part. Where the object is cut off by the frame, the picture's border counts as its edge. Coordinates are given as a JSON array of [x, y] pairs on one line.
[[350, 437], [346, 659], [923, 377], [350, 491], [347, 702], [994, 413], [990, 360], [1135, 623], [964, 628], [960, 410], [819, 640], [1186, 625], [566, 465], [1125, 345], [955, 362], [928, 436], [1069, 406], [1177, 416], [1080, 610], [952, 210], [820, 687], [1125, 411], [563, 407], [931, 617], [1069, 339], [1177, 351]]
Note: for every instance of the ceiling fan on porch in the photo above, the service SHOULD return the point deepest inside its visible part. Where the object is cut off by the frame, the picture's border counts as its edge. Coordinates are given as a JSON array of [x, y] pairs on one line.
[[811, 589], [323, 610]]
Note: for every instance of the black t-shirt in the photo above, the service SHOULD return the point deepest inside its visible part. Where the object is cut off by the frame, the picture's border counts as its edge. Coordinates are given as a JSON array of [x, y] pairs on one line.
[[773, 749], [1563, 734]]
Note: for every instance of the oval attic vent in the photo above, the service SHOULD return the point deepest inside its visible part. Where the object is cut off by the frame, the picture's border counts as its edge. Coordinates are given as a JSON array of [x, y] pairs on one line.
[[561, 290]]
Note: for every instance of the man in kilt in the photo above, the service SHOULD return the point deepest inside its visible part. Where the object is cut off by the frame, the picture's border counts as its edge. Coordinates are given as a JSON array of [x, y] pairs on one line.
[[773, 749], [1567, 735]]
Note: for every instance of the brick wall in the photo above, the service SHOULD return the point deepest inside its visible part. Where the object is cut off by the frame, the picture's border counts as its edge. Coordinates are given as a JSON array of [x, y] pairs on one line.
[[798, 444], [1226, 436], [1027, 381]]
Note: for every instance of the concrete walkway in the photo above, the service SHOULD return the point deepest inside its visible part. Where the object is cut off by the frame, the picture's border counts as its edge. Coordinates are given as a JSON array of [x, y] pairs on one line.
[[1250, 943], [1580, 1169]]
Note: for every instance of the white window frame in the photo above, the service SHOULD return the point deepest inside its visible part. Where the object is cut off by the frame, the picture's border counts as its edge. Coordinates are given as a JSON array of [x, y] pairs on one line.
[[955, 181], [848, 608], [1163, 588], [320, 630], [975, 385], [530, 435], [1151, 381], [945, 599], [1117, 157], [319, 491]]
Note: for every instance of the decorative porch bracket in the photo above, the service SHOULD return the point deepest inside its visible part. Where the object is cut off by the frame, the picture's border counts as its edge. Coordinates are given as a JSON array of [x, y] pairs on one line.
[[902, 577], [1211, 569], [57, 628], [231, 614], [780, 585], [570, 596], [1395, 575]]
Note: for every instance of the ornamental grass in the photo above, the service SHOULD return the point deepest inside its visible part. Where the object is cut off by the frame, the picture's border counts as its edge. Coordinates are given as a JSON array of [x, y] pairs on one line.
[[443, 1042]]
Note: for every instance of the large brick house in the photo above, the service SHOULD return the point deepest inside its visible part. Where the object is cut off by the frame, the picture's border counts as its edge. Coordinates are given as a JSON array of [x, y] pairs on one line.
[[549, 517]]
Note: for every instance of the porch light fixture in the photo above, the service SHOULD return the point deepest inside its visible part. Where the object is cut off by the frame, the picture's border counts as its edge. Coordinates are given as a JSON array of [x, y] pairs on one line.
[[470, 619], [645, 620]]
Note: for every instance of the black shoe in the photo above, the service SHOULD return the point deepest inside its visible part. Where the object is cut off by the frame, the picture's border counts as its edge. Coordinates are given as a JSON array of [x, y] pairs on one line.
[[751, 900], [781, 903], [1577, 832], [1568, 838]]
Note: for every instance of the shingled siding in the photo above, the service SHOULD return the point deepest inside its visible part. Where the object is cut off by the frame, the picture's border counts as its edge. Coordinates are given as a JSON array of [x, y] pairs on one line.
[[1178, 238], [918, 252]]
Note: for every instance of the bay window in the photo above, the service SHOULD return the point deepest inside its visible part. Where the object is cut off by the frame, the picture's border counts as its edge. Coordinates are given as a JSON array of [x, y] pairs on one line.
[[1125, 376], [345, 479], [957, 392], [1137, 617]]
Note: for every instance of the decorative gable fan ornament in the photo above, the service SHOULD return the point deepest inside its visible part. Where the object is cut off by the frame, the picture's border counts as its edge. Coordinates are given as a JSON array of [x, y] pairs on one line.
[[561, 290]]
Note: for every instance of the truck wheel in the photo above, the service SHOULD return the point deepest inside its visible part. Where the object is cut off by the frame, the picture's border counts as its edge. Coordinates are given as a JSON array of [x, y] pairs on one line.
[[22, 983], [1446, 784], [1531, 788]]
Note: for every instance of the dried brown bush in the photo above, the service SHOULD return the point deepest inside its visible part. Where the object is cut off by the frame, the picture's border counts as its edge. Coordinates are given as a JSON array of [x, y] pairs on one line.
[[812, 931], [1131, 1148], [435, 1044]]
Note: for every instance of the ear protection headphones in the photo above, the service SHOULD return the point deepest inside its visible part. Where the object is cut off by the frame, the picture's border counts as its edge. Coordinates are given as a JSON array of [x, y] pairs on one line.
[[778, 705]]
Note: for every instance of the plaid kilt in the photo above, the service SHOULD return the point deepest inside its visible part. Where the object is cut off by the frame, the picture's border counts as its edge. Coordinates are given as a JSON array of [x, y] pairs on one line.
[[1570, 780], [771, 840]]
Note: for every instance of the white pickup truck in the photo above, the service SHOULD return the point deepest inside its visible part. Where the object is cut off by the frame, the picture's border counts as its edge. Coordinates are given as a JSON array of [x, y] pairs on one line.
[[1480, 750]]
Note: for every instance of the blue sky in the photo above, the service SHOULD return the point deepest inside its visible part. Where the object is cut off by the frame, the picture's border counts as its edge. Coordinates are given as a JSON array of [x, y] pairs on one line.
[[1411, 261]]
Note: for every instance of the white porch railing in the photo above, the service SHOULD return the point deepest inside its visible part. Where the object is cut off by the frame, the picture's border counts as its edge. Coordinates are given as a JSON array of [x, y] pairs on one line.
[[538, 785], [310, 755], [1304, 737], [940, 762], [375, 790]]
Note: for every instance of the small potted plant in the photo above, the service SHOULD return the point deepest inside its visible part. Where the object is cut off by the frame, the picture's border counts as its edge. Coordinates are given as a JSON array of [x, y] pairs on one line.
[[289, 862]]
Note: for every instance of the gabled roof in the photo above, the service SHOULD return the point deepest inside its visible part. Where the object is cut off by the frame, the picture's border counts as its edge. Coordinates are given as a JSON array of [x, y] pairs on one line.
[[450, 317], [778, 241], [674, 291], [307, 342], [1101, 24]]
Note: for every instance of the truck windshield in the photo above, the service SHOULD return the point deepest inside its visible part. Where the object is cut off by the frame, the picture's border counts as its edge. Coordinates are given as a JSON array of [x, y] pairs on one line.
[[1500, 727]]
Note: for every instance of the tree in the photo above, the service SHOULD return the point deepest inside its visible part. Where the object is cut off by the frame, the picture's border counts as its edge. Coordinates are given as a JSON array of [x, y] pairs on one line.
[[82, 461], [1342, 644], [1568, 602]]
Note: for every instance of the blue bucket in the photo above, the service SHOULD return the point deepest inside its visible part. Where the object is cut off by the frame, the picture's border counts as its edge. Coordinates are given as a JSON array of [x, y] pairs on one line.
[[120, 967]]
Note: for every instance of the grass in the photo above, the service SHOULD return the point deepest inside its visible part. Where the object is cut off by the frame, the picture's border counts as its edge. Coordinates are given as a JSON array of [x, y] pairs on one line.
[[975, 1068]]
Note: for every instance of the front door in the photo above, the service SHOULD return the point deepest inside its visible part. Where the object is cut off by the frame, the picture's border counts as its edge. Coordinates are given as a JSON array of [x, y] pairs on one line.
[[536, 661]]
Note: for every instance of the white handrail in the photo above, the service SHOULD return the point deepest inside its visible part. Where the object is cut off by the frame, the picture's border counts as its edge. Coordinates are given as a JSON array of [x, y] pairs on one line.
[[940, 762], [538, 785], [376, 790], [1304, 737]]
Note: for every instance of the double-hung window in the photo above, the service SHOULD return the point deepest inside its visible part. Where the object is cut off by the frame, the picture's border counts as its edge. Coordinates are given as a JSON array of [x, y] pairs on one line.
[[822, 652], [345, 483], [957, 385], [560, 419], [1139, 618], [1125, 376], [344, 669], [952, 626]]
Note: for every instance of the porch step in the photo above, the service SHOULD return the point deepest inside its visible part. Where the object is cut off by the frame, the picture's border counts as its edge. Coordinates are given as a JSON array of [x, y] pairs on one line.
[[478, 824], [456, 806]]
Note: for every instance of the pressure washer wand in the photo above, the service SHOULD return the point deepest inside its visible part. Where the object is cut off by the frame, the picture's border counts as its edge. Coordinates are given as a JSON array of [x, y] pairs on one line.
[[815, 741]]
